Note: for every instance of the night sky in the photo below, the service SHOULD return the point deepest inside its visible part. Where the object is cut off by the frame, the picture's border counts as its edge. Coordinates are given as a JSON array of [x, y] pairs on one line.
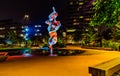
[[37, 9]]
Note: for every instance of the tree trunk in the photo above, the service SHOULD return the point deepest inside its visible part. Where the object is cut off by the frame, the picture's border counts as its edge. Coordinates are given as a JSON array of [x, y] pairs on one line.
[[100, 40]]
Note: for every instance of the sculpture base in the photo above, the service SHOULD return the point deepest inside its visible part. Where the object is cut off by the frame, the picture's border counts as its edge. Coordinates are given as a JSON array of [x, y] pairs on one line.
[[52, 54]]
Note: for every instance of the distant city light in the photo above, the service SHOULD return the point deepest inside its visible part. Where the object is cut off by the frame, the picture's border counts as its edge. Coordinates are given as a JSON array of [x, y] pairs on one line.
[[31, 31], [35, 34], [40, 34], [39, 25], [12, 27], [23, 30], [25, 26], [36, 26], [37, 30], [21, 35], [22, 26], [26, 34], [26, 39], [2, 36], [2, 28], [26, 29], [26, 16]]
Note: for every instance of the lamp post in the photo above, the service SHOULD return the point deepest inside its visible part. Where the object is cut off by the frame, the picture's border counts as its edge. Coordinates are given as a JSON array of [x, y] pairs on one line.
[[26, 35], [26, 22]]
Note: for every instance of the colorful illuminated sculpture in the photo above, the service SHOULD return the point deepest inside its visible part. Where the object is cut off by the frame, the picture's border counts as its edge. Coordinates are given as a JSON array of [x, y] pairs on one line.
[[53, 26]]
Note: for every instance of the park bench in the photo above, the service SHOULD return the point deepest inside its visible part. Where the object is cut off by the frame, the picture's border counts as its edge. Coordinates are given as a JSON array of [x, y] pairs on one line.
[[107, 68], [3, 56]]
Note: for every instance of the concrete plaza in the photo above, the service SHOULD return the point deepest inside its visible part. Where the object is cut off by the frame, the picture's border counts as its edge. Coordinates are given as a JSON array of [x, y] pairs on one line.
[[56, 65]]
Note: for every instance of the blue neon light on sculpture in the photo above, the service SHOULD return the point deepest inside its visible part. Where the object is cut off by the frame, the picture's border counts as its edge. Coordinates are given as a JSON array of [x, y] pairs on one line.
[[53, 26]]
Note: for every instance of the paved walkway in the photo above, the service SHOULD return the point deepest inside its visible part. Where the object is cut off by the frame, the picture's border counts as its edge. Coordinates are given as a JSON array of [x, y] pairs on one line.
[[58, 65]]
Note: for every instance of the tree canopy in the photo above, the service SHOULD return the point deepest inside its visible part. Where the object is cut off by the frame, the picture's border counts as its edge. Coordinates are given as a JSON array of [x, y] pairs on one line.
[[105, 12]]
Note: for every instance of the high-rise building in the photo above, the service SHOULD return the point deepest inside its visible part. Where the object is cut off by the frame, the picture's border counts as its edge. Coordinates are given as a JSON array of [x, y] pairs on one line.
[[78, 15], [9, 28]]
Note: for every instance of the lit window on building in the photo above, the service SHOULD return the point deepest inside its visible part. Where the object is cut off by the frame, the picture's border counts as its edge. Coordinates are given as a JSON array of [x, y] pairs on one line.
[[22, 26], [71, 30], [36, 26], [26, 29], [12, 27], [14, 31], [96, 29], [74, 20], [23, 30], [25, 26], [36, 34], [2, 28], [21, 35], [26, 16], [39, 25], [86, 30], [71, 3], [37, 30], [81, 16], [2, 36], [81, 3], [76, 23], [87, 19], [40, 34], [26, 34]]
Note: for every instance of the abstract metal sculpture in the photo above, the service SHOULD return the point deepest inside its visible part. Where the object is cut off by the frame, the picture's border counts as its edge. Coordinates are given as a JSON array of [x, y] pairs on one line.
[[53, 26]]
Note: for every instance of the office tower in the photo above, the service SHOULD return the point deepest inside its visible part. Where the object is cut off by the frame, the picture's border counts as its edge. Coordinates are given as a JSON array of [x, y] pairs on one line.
[[78, 15]]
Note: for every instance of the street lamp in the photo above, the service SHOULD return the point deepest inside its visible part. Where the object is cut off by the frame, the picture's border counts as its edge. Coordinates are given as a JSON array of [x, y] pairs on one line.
[[26, 35], [26, 30]]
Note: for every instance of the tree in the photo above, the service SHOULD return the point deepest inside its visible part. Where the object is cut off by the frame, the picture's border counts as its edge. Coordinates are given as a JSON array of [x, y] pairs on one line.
[[116, 31], [78, 35], [12, 35], [106, 14]]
